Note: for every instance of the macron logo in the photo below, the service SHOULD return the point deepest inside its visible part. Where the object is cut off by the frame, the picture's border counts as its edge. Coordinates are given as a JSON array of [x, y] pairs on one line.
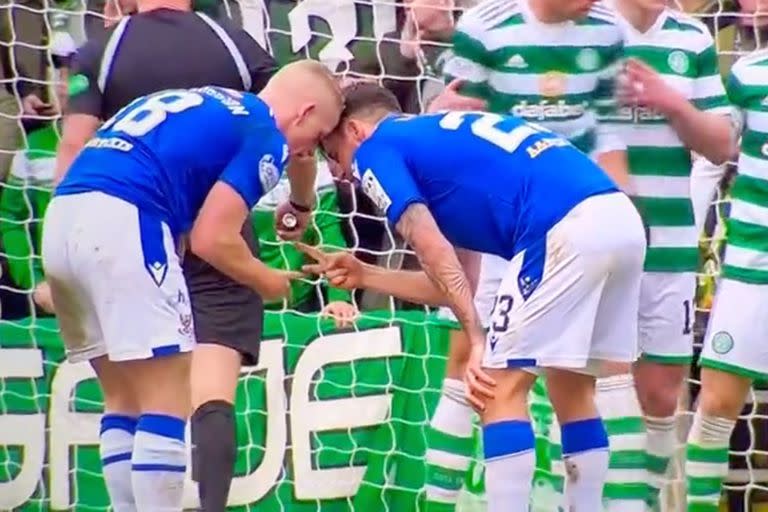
[[517, 61], [158, 270]]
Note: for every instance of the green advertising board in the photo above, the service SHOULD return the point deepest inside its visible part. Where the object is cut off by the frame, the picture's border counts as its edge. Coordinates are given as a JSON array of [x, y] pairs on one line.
[[329, 420]]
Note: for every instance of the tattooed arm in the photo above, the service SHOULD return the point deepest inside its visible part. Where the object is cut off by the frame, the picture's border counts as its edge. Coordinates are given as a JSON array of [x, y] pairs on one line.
[[439, 261]]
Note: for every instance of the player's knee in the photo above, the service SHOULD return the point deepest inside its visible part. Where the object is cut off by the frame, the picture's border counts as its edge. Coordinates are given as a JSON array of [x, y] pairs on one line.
[[510, 398], [161, 384], [658, 389], [572, 394], [458, 355], [722, 394], [116, 388], [214, 374], [712, 402]]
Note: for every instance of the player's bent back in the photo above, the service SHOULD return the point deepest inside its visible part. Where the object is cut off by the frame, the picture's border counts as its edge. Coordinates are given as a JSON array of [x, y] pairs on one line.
[[112, 228], [164, 152], [498, 185], [518, 178]]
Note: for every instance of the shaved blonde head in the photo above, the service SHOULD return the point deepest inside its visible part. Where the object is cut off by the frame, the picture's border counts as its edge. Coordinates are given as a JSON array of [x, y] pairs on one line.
[[307, 79], [306, 100]]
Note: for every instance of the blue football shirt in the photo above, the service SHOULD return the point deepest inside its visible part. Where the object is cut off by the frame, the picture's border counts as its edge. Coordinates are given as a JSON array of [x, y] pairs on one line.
[[495, 184], [164, 152]]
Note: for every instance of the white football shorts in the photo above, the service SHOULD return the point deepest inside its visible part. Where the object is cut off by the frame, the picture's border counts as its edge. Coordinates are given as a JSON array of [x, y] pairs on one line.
[[666, 315], [738, 330], [115, 279], [572, 300]]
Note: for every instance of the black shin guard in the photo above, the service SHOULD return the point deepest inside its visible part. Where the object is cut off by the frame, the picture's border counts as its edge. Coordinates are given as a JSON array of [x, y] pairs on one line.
[[213, 453]]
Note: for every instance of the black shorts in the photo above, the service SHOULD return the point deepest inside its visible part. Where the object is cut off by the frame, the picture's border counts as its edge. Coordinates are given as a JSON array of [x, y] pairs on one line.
[[225, 312]]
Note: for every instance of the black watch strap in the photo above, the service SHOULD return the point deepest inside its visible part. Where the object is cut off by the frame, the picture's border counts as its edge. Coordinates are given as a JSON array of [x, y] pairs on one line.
[[300, 207]]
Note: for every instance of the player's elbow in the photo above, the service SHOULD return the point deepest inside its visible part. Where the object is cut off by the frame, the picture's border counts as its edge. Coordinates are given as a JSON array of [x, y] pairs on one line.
[[719, 154], [204, 244], [723, 145]]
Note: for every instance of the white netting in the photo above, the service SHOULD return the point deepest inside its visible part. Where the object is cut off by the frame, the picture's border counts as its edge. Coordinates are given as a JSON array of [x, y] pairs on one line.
[[335, 424]]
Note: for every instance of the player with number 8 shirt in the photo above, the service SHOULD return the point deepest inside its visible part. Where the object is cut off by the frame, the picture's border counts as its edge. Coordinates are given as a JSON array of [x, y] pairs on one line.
[[112, 250], [575, 246]]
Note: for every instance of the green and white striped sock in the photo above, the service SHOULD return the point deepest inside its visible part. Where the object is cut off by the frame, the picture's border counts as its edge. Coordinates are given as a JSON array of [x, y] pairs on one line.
[[449, 448], [659, 450], [625, 486], [547, 490], [706, 464]]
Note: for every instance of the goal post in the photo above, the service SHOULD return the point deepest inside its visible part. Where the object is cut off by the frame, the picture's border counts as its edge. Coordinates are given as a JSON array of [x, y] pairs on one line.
[[330, 420]]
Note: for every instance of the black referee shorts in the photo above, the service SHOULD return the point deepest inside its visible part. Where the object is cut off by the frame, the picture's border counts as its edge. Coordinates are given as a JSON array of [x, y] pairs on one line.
[[225, 312]]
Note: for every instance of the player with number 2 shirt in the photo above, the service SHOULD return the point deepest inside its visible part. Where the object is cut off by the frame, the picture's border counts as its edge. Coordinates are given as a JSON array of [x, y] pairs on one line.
[[493, 184], [175, 163]]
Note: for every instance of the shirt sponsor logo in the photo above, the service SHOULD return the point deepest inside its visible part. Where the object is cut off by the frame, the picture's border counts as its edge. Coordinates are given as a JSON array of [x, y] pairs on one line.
[[115, 143], [269, 175], [553, 84], [639, 115], [375, 192], [548, 110]]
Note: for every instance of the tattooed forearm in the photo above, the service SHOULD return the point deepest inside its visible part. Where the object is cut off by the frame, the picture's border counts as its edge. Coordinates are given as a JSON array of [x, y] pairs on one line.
[[440, 263]]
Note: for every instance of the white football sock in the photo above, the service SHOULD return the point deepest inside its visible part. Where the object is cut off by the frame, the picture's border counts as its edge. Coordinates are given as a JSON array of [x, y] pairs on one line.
[[509, 463], [116, 448], [159, 463], [585, 454], [449, 446]]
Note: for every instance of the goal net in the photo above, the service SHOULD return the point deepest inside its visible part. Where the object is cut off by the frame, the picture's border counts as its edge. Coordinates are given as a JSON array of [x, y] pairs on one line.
[[330, 420]]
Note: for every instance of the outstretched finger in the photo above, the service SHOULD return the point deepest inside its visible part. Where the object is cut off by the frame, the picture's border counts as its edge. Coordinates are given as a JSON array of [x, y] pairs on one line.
[[315, 269], [335, 273], [311, 251], [341, 282]]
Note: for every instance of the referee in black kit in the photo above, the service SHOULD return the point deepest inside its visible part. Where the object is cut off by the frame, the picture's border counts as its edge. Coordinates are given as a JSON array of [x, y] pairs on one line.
[[164, 46]]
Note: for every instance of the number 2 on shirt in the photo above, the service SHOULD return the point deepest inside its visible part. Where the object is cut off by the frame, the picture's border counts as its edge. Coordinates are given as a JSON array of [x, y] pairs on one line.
[[485, 127]]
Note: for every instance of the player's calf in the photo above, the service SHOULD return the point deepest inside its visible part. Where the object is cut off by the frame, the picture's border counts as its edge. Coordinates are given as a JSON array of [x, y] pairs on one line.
[[584, 439], [659, 387], [159, 457], [116, 435], [721, 399], [733, 357], [215, 371], [449, 439], [626, 487], [508, 442]]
